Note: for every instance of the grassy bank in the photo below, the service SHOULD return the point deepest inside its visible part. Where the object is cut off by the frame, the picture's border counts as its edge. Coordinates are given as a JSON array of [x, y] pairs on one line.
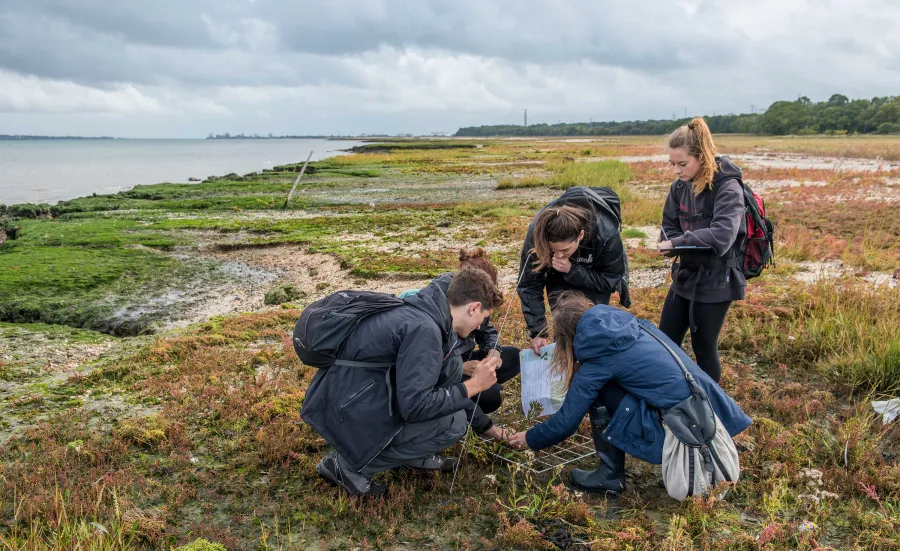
[[152, 442]]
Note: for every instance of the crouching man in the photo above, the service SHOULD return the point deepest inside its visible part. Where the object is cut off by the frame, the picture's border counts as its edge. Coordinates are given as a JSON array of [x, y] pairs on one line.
[[400, 400]]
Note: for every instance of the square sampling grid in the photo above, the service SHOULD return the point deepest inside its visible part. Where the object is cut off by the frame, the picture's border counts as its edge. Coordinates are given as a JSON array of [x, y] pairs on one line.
[[575, 448]]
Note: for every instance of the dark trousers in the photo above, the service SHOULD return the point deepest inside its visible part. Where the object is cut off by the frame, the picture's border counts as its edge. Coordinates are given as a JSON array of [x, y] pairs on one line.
[[611, 395], [708, 318], [490, 399]]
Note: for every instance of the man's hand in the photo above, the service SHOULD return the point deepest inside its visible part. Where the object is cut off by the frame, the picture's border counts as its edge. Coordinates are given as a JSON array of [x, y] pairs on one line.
[[483, 376], [561, 265], [494, 353], [537, 343], [498, 434], [518, 440], [469, 367]]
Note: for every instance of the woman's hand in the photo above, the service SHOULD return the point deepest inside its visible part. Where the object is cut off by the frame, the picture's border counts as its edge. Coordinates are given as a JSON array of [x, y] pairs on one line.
[[537, 343], [664, 248], [562, 265], [518, 440]]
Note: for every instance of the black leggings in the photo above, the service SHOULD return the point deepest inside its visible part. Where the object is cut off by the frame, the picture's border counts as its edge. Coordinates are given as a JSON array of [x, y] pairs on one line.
[[489, 400], [708, 317]]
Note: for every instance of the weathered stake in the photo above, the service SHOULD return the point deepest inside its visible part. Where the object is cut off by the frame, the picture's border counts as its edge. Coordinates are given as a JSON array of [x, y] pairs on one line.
[[302, 170]]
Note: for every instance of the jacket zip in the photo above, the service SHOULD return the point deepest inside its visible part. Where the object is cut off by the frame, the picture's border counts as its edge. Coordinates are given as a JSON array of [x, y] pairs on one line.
[[391, 439], [353, 397]]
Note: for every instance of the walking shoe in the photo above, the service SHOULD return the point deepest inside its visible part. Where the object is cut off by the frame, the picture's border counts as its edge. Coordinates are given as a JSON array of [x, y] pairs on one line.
[[355, 484], [433, 463]]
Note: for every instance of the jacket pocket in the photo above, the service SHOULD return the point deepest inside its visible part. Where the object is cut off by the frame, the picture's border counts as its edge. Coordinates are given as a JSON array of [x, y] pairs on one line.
[[354, 397]]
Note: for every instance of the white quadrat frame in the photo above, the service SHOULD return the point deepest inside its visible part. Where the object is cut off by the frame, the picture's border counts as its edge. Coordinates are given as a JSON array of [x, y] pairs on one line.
[[576, 448]]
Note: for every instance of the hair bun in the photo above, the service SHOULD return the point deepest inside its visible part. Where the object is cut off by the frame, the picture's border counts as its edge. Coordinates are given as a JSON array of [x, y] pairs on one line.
[[466, 254]]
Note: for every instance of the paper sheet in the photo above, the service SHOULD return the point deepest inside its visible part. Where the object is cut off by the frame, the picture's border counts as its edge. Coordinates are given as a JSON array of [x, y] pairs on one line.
[[538, 383]]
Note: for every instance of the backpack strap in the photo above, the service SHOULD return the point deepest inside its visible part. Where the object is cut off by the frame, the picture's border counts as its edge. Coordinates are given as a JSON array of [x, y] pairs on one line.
[[350, 363]]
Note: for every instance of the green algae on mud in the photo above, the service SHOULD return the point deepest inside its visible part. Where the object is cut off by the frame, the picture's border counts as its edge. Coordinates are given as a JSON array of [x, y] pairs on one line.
[[202, 436]]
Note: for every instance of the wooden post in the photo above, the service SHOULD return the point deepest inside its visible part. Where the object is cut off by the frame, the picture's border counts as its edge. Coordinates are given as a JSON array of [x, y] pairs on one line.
[[302, 170]]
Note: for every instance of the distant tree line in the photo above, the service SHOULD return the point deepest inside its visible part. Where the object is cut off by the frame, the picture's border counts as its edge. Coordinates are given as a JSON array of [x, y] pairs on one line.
[[838, 115]]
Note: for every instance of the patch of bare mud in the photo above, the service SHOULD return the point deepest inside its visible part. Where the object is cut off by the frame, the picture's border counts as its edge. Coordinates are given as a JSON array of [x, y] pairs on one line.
[[787, 160], [767, 185], [54, 357], [648, 278], [311, 273], [812, 272], [652, 233]]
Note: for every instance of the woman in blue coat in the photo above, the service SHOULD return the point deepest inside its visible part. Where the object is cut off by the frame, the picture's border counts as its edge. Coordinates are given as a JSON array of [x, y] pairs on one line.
[[622, 377]]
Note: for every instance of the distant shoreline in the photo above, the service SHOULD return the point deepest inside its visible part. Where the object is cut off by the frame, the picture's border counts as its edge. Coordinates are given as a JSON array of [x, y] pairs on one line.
[[24, 137]]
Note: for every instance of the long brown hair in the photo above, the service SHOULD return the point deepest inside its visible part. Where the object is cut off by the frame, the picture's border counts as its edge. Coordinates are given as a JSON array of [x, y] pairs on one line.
[[557, 225], [569, 308], [478, 258], [697, 139]]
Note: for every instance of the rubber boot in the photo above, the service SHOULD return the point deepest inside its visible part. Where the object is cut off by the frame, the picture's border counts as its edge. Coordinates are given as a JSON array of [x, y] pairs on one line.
[[609, 476]]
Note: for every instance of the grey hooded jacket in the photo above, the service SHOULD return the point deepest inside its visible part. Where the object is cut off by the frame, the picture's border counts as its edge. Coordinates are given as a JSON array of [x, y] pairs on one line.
[[359, 410], [716, 218]]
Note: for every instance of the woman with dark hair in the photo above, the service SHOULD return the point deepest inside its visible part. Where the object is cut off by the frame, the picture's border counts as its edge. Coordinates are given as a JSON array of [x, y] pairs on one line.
[[622, 376], [572, 244]]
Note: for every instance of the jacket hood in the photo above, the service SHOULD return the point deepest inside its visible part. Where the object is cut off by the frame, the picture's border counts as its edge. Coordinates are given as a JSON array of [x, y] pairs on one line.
[[726, 170], [433, 301], [603, 331], [587, 198]]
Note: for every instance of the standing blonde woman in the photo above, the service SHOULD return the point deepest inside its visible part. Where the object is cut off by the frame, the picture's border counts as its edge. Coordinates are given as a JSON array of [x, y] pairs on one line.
[[704, 223]]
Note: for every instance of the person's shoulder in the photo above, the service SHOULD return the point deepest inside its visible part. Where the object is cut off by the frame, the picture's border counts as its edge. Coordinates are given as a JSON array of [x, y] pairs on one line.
[[730, 186]]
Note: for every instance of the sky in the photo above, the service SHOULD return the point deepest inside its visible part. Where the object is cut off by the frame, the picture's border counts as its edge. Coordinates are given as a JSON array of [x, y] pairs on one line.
[[186, 68]]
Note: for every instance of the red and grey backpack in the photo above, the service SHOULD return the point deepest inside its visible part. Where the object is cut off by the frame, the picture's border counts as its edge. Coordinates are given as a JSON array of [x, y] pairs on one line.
[[758, 248]]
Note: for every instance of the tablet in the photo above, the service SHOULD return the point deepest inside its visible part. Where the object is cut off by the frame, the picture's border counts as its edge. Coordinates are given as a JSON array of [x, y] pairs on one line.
[[689, 248]]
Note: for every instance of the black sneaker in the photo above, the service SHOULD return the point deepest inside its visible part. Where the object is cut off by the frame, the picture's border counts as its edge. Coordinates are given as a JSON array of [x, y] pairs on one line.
[[355, 484], [433, 463]]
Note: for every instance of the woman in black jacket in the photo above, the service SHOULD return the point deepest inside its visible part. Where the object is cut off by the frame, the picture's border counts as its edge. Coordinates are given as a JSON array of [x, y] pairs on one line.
[[705, 210], [573, 244]]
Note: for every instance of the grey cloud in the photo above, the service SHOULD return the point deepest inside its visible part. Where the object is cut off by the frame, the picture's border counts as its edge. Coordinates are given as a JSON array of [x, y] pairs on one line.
[[392, 65]]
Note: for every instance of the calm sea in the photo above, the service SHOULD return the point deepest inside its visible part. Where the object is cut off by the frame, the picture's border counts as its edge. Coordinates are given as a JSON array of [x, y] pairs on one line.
[[51, 171]]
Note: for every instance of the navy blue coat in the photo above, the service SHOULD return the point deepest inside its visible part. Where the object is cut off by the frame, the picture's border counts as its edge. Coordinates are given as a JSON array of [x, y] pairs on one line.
[[611, 347]]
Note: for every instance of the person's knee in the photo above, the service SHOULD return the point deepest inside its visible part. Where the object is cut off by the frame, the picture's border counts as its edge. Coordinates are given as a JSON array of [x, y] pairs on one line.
[[490, 399], [509, 355], [459, 424]]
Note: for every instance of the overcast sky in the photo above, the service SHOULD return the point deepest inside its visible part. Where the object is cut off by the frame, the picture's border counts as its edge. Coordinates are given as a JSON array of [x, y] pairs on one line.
[[184, 68]]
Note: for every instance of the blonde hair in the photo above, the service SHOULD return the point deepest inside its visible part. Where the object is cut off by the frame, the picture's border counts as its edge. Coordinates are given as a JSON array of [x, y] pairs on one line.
[[697, 139], [567, 312], [557, 225]]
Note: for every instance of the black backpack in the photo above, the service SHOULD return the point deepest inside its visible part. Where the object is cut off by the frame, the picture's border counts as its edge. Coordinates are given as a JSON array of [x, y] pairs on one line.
[[325, 324]]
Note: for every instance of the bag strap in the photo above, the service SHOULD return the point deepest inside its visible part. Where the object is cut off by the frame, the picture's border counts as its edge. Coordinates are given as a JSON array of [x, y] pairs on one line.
[[684, 370], [350, 363]]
